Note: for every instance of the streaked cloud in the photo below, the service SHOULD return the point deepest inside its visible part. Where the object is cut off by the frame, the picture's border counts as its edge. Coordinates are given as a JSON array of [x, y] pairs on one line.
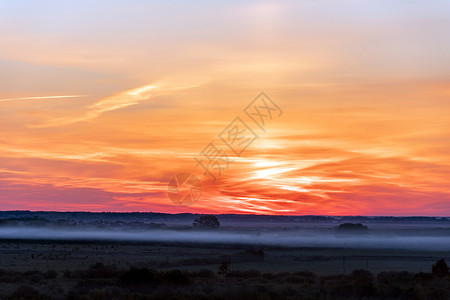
[[43, 97], [118, 101]]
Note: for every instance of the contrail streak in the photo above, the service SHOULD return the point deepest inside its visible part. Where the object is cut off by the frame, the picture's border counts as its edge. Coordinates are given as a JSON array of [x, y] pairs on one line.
[[44, 97]]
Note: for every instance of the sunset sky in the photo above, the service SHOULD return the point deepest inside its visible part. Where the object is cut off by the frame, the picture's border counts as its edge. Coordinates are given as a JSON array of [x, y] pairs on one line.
[[103, 102]]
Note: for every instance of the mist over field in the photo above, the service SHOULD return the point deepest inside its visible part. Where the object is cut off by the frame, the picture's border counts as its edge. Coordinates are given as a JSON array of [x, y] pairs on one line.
[[70, 253], [400, 239]]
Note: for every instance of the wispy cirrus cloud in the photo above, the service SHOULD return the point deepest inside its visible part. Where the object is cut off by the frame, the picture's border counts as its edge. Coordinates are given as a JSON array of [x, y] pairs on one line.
[[120, 100], [43, 97]]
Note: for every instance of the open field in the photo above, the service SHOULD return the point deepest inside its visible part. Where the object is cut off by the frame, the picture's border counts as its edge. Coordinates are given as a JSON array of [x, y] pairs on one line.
[[135, 257], [61, 269], [61, 255]]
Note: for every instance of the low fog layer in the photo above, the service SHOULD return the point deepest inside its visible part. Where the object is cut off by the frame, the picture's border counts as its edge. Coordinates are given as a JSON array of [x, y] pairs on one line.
[[291, 238]]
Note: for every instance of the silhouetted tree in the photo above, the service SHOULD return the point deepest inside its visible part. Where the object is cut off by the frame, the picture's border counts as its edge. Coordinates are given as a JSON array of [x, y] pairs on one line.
[[206, 221], [352, 227], [223, 269], [440, 268]]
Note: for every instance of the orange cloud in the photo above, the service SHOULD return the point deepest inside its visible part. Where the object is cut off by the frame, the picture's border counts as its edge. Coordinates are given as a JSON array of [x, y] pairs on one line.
[[365, 99]]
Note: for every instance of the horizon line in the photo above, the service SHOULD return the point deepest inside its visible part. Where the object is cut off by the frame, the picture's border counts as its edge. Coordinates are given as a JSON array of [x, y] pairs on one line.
[[152, 212]]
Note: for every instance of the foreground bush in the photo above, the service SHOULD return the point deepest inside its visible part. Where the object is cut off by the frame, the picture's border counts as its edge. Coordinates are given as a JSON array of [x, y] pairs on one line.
[[106, 282]]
